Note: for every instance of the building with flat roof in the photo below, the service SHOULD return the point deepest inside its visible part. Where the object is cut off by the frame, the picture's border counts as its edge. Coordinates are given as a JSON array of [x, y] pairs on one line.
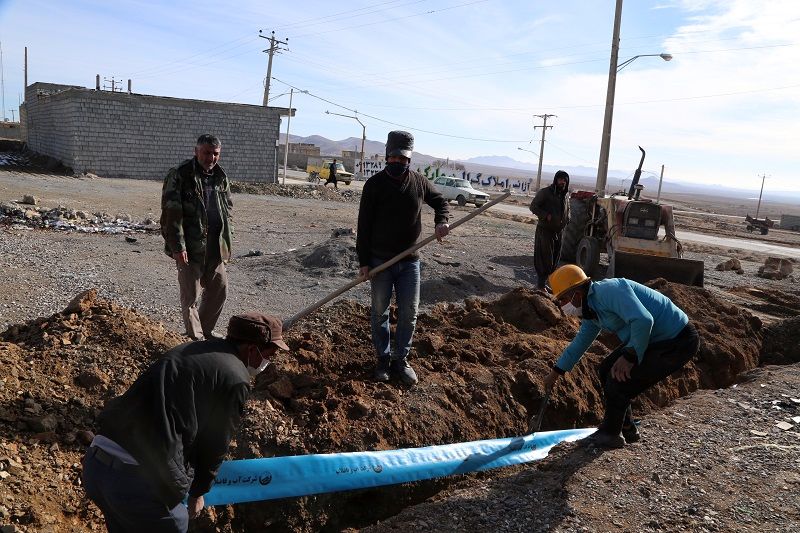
[[128, 135]]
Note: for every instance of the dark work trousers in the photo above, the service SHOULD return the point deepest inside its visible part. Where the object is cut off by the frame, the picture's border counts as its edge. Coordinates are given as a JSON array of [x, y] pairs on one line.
[[126, 497], [660, 360], [546, 249]]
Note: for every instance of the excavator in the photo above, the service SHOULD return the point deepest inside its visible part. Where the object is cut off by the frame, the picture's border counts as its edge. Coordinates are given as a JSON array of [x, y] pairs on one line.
[[636, 233]]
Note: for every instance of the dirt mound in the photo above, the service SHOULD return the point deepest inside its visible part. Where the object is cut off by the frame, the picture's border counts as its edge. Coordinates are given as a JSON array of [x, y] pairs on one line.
[[298, 191], [57, 373], [782, 343], [481, 366], [780, 303], [730, 342], [338, 254]]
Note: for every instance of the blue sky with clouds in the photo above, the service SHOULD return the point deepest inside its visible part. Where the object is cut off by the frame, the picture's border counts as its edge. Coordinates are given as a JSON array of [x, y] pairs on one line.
[[465, 75]]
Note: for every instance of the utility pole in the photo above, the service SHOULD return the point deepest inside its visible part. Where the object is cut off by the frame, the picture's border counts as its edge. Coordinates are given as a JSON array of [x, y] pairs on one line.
[[544, 127], [2, 82], [274, 48], [763, 178], [286, 148], [605, 141], [25, 89]]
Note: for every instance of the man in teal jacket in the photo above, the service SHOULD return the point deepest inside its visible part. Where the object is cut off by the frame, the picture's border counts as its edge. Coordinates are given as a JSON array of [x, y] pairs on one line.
[[656, 340]]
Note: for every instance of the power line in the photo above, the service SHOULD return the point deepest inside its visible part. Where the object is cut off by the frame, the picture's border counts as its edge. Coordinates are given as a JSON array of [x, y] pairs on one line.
[[335, 16], [384, 21], [395, 123]]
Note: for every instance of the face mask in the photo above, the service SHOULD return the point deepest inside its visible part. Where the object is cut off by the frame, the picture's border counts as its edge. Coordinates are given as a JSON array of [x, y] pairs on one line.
[[256, 371], [396, 169], [571, 310]]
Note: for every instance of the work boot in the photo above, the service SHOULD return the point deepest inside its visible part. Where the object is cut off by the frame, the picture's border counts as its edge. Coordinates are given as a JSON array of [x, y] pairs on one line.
[[630, 432], [403, 370], [382, 369], [601, 439]]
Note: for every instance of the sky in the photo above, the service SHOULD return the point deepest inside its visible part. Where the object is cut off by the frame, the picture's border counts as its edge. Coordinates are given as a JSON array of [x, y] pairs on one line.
[[465, 76]]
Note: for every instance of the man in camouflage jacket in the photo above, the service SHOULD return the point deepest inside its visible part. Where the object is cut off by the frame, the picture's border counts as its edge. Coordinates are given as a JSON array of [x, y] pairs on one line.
[[195, 223]]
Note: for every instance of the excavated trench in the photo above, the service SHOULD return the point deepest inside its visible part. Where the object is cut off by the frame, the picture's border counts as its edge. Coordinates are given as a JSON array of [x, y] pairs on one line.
[[481, 366]]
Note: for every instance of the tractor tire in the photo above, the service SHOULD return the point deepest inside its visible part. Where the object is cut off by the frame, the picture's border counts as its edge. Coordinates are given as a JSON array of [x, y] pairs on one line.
[[588, 255], [461, 200], [575, 230]]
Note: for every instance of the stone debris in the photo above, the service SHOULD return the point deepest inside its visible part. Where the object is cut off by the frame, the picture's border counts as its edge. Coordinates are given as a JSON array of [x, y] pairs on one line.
[[731, 264], [17, 214], [776, 268]]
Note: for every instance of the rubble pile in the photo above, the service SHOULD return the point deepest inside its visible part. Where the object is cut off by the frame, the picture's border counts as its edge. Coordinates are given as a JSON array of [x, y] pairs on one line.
[[27, 213], [480, 363], [311, 191]]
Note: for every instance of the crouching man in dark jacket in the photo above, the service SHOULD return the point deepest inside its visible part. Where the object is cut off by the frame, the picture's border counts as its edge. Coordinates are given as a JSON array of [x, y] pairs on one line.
[[167, 435], [551, 207]]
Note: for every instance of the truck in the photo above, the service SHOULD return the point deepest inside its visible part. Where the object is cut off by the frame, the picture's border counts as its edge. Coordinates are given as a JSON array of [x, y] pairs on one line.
[[319, 169], [762, 225]]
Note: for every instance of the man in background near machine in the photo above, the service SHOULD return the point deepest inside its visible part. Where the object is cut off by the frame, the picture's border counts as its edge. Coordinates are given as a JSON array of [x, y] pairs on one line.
[[657, 339], [551, 207], [332, 178], [167, 435], [390, 222], [195, 222]]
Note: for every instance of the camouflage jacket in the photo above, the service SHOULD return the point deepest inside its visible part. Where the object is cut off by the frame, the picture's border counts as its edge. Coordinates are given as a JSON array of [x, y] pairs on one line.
[[184, 223]]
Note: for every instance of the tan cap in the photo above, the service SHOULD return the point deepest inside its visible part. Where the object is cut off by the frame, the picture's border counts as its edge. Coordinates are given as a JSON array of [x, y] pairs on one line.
[[257, 328]]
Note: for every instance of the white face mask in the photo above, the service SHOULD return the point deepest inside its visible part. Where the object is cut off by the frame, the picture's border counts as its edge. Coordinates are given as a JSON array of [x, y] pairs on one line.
[[256, 371], [571, 310]]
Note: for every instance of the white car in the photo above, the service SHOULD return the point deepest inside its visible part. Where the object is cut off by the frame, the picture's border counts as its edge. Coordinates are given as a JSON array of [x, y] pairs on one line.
[[460, 190]]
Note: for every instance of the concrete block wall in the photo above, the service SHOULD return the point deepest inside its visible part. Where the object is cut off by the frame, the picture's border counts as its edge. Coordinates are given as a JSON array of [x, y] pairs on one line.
[[141, 137], [10, 130]]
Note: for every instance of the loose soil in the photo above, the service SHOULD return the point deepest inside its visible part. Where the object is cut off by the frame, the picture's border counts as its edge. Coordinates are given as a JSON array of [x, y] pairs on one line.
[[480, 364], [485, 340]]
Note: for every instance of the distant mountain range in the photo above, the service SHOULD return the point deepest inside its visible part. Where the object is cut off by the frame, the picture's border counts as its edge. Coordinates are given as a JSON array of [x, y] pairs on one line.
[[504, 166]]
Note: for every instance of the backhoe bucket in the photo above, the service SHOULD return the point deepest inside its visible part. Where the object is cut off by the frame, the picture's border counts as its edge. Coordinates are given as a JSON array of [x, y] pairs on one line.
[[641, 268]]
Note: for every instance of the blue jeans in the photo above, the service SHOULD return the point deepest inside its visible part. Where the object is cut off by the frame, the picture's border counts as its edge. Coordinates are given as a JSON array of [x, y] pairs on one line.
[[403, 277], [126, 498]]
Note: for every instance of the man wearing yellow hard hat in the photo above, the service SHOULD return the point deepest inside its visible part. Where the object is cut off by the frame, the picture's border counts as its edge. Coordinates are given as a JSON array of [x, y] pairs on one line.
[[656, 340]]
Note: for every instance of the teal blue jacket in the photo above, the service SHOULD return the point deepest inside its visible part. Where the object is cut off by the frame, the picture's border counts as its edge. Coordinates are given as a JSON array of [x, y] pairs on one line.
[[638, 315]]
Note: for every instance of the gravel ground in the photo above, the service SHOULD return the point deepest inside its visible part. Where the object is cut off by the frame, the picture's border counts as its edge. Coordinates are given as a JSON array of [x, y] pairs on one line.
[[713, 461], [43, 269]]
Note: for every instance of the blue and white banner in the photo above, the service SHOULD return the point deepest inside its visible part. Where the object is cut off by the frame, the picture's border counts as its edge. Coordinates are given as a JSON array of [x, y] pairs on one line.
[[249, 480]]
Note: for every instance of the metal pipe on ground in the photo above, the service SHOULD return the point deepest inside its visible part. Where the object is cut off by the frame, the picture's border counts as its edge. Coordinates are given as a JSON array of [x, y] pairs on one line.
[[289, 322]]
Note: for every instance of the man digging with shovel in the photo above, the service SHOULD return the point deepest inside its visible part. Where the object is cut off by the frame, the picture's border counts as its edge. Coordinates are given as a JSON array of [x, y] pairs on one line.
[[656, 340]]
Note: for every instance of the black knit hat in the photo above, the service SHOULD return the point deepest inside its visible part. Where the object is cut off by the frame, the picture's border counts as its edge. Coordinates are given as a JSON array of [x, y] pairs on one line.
[[399, 143]]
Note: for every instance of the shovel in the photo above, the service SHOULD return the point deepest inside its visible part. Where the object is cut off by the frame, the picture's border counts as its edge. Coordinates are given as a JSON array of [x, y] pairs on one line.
[[535, 423], [289, 322]]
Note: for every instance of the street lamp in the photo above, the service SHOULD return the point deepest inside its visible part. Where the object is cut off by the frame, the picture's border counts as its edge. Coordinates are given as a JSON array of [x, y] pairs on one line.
[[363, 135], [665, 57], [613, 68]]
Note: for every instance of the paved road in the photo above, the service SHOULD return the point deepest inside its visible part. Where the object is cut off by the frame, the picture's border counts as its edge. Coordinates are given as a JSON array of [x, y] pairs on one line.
[[690, 236]]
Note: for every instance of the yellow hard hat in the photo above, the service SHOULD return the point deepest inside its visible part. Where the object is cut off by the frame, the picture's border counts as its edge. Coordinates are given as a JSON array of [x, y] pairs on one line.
[[565, 278]]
